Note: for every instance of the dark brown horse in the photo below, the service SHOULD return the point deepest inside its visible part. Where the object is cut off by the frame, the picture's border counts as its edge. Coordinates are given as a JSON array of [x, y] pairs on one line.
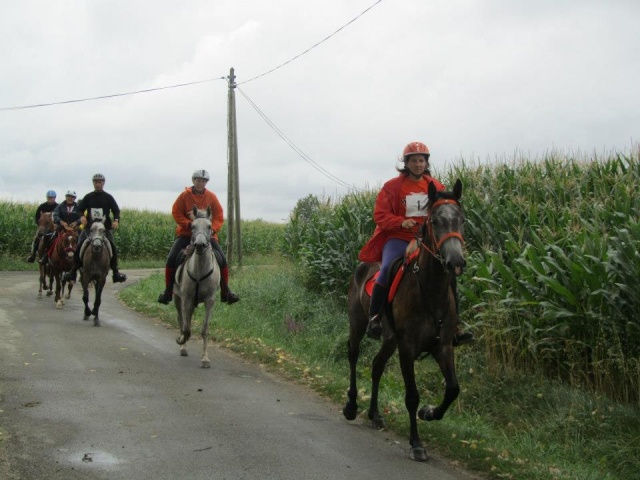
[[45, 227], [61, 261], [422, 317], [96, 259]]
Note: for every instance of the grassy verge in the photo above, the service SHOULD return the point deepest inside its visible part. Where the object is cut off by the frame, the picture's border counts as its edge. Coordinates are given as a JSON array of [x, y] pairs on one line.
[[504, 424]]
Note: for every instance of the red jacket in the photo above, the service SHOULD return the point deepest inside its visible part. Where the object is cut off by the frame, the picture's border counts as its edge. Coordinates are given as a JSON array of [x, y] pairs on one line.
[[183, 205], [388, 213]]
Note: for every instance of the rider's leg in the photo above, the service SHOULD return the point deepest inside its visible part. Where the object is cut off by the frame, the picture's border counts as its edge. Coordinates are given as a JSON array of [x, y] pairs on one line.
[[461, 337], [226, 295], [34, 248], [170, 269], [393, 249]]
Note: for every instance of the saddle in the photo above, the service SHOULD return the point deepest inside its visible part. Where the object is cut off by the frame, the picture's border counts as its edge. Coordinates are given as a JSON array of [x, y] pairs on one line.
[[397, 270]]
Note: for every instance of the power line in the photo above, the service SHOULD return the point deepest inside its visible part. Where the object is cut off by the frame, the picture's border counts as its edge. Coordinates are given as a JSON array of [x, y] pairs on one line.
[[312, 47], [49, 104], [296, 149], [23, 107]]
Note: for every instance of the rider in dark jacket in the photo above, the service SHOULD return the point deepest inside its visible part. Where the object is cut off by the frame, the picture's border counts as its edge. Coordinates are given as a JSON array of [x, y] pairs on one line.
[[46, 207], [99, 205]]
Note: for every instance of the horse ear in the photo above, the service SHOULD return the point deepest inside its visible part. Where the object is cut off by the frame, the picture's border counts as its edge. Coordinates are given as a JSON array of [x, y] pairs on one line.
[[457, 189], [432, 192], [209, 211], [194, 210]]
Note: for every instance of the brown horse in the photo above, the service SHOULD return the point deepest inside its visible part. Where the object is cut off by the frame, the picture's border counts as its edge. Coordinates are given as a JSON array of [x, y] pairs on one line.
[[422, 317], [61, 261], [45, 228], [96, 259]]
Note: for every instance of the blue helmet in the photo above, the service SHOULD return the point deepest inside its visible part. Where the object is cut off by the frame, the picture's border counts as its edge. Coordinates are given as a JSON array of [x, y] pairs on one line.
[[51, 194]]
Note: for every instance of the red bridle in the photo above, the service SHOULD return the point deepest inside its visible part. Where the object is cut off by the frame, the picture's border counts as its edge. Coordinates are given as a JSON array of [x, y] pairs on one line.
[[445, 237]]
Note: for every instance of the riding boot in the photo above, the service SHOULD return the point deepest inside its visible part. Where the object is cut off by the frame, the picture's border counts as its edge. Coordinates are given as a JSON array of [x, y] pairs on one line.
[[34, 248], [460, 337], [117, 276], [378, 297], [226, 295], [169, 279]]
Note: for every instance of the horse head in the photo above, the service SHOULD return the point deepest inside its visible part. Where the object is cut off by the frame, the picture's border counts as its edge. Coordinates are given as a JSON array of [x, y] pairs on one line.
[[201, 229], [97, 236], [443, 229], [45, 223], [68, 243]]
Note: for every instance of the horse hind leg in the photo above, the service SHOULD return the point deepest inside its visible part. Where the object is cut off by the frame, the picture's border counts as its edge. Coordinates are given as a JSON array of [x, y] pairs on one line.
[[350, 410], [377, 369]]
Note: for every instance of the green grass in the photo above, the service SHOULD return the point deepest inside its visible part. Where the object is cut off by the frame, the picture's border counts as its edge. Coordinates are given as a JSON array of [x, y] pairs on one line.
[[505, 424]]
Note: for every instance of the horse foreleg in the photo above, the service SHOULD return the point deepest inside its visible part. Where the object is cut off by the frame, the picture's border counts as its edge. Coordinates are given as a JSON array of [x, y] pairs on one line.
[[411, 401], [377, 369], [205, 363], [99, 286], [57, 299], [446, 362], [184, 322], [85, 300]]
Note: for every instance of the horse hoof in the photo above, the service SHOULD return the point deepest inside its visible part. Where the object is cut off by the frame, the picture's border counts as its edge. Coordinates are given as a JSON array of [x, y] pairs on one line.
[[184, 353], [419, 454], [206, 364], [49, 294], [349, 412], [96, 323], [427, 413], [39, 296], [59, 305]]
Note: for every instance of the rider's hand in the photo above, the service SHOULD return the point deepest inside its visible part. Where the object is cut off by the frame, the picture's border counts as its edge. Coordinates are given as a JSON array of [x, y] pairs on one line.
[[115, 224], [83, 220], [409, 223]]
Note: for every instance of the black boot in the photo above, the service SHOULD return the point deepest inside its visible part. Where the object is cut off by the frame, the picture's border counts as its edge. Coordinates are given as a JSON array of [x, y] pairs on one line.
[[378, 297], [460, 337], [34, 248], [117, 276], [226, 295], [169, 280]]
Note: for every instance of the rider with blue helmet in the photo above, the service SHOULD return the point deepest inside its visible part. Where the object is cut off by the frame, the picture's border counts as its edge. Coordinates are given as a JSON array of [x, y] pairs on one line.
[[46, 207]]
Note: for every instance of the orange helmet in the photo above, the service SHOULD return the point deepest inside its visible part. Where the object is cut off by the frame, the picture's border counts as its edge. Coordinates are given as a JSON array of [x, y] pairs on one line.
[[415, 148]]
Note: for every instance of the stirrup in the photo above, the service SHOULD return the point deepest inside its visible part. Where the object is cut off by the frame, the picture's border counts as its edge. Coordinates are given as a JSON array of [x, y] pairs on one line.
[[374, 327], [31, 258]]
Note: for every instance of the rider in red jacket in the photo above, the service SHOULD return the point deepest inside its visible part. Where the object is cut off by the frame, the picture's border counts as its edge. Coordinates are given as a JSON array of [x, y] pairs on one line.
[[399, 210]]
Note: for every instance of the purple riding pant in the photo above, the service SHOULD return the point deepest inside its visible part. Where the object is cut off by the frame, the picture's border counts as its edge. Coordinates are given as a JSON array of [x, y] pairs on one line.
[[392, 250]]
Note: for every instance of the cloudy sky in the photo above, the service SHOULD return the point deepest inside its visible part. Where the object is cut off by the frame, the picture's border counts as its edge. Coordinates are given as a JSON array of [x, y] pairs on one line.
[[476, 81]]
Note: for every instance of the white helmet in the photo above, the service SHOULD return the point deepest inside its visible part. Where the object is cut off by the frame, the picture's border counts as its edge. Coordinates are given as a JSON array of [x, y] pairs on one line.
[[71, 193], [200, 174]]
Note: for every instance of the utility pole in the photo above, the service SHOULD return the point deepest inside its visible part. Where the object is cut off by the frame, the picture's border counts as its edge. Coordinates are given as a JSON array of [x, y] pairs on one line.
[[234, 237]]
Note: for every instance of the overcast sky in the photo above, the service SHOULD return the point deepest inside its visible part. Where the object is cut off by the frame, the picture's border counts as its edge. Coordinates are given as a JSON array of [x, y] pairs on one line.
[[477, 80]]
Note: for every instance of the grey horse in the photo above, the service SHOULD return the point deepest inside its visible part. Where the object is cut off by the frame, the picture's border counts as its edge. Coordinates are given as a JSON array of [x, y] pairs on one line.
[[96, 260], [197, 281]]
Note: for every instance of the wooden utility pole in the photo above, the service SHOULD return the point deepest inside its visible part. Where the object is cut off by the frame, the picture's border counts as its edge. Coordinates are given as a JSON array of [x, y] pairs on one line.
[[234, 237]]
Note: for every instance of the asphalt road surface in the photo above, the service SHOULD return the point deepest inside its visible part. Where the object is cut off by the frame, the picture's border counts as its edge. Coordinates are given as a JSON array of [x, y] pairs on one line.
[[118, 402]]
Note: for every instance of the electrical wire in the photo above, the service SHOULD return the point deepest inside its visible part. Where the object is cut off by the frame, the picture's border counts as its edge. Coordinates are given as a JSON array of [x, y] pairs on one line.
[[312, 47], [49, 104], [295, 148], [23, 107]]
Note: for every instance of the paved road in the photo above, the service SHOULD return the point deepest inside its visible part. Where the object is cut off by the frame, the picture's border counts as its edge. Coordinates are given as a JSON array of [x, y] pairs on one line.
[[118, 402]]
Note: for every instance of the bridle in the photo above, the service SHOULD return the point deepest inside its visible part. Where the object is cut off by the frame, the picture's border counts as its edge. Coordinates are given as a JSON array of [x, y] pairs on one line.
[[437, 243]]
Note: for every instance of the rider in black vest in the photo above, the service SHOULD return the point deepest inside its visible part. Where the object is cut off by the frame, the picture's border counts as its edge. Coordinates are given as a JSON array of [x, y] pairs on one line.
[[98, 205]]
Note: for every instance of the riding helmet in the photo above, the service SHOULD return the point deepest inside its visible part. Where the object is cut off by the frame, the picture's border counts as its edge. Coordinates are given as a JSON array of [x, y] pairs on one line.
[[51, 194], [71, 193], [98, 176], [200, 174], [414, 148]]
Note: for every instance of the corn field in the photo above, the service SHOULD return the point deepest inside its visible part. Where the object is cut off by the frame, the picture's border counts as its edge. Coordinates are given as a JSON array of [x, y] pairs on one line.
[[553, 264]]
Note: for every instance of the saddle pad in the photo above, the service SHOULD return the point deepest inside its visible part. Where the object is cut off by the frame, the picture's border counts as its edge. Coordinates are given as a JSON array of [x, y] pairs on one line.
[[411, 254]]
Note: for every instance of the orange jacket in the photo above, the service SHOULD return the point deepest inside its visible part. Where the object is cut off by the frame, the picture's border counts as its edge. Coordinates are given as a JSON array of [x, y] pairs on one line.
[[184, 204], [388, 213]]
